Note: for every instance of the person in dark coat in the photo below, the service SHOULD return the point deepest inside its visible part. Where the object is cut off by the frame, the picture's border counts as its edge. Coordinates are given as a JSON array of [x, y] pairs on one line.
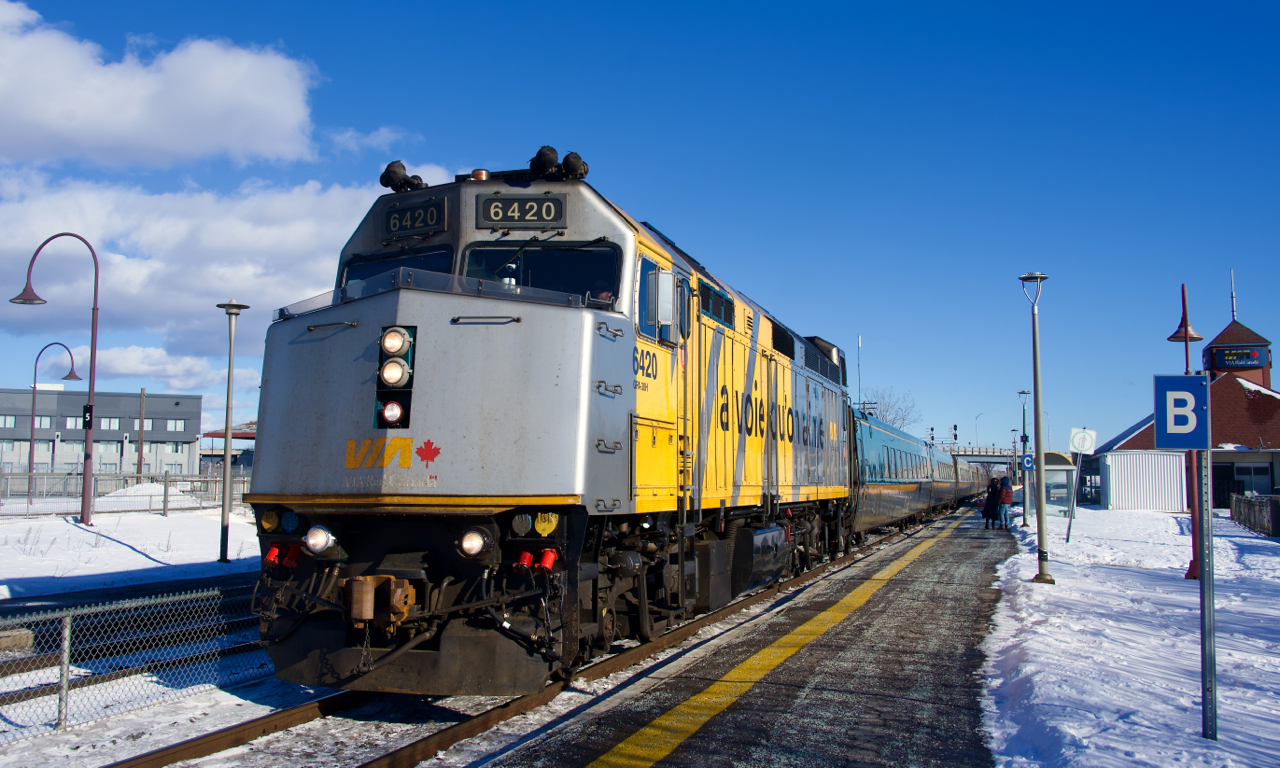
[[991, 508], [1006, 502]]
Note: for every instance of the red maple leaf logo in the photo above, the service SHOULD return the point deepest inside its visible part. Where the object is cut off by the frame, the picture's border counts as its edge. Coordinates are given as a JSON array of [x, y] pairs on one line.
[[428, 453]]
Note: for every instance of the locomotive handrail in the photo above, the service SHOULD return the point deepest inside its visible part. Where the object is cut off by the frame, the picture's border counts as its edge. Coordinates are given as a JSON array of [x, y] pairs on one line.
[[486, 319], [603, 328], [351, 323]]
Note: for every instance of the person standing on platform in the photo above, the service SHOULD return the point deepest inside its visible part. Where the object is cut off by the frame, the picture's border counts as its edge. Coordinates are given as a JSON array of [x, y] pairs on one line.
[[991, 508], [1006, 502]]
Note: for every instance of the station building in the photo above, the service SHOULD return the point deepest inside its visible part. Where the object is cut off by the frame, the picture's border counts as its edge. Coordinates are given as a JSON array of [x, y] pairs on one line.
[[1245, 428], [170, 433]]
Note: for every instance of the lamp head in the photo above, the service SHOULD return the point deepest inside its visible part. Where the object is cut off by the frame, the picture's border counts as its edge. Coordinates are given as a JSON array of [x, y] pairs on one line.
[[233, 307], [1034, 277], [71, 376], [1185, 333], [28, 296]]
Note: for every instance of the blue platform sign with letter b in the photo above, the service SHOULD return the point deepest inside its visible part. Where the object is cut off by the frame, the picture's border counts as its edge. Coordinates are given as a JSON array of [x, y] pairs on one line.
[[1182, 413]]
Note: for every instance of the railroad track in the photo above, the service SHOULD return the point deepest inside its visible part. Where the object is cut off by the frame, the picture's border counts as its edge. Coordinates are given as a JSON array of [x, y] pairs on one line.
[[415, 752]]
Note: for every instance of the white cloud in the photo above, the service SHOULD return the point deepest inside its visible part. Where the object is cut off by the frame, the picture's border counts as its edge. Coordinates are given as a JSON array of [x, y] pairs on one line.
[[205, 97], [355, 142], [179, 373], [167, 259]]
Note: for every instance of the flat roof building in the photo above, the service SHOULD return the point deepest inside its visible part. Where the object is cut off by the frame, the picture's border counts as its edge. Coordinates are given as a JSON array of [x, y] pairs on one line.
[[171, 432]]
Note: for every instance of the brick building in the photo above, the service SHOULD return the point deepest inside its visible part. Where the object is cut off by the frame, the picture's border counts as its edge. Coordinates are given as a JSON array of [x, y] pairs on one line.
[[1245, 423]]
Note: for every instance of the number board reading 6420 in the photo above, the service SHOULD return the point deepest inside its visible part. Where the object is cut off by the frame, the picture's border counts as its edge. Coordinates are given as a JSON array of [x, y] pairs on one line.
[[520, 212], [427, 216]]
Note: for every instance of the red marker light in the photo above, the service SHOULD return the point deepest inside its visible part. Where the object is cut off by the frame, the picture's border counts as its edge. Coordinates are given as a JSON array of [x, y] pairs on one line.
[[291, 559], [522, 564], [548, 560], [272, 557]]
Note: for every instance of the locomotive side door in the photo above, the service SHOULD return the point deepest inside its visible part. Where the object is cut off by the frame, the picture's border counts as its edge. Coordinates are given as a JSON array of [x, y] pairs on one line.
[[658, 384]]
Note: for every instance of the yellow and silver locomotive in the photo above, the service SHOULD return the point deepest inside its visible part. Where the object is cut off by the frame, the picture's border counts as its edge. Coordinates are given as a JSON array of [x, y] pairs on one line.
[[525, 425]]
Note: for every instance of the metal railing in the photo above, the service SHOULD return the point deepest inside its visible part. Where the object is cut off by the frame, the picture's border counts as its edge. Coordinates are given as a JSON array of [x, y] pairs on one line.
[[72, 666], [59, 493], [1260, 514]]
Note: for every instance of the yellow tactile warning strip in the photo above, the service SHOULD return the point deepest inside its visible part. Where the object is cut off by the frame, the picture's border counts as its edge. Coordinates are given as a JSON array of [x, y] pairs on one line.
[[661, 737]]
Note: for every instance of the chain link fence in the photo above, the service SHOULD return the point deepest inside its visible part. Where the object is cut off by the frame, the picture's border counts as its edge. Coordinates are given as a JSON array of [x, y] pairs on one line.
[[67, 667], [59, 493]]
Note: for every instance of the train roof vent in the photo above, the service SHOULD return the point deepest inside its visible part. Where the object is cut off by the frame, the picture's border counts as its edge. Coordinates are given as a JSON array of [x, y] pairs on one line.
[[783, 342]]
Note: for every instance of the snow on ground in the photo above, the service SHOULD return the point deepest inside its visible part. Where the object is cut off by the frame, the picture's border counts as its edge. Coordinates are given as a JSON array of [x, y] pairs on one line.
[[1103, 668], [50, 555]]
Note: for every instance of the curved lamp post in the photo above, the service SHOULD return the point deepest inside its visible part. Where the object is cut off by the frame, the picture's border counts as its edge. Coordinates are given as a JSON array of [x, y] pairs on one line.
[[1038, 278], [31, 447], [28, 296]]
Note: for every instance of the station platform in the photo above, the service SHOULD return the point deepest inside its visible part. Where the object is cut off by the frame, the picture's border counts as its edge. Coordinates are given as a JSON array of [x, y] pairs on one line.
[[872, 666]]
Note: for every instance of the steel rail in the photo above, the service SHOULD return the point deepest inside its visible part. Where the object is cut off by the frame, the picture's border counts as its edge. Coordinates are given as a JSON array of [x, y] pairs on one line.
[[422, 749]]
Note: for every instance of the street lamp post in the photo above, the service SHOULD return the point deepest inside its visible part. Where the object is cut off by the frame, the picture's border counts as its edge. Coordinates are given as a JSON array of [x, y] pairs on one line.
[[1186, 335], [28, 296], [233, 310], [1024, 393], [31, 447], [976, 441], [1038, 278]]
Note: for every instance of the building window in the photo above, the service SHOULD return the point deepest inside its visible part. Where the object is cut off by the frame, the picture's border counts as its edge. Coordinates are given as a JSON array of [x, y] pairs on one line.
[[178, 448], [177, 425], [44, 445], [8, 422], [109, 423], [44, 422], [109, 468], [146, 424], [173, 469], [73, 445], [6, 445], [107, 446], [73, 422]]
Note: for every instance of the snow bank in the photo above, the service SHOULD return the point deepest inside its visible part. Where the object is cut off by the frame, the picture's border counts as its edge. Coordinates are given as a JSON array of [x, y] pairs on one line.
[[1103, 668], [48, 555]]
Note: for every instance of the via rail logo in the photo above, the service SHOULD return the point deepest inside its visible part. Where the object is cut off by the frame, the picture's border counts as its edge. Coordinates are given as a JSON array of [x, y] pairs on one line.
[[1182, 413], [382, 452]]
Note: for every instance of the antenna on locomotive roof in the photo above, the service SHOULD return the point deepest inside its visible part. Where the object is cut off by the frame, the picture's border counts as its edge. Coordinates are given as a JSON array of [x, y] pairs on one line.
[[859, 367], [1233, 294]]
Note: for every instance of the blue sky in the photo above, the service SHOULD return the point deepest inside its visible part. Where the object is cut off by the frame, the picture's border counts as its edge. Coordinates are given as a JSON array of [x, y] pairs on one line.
[[883, 170]]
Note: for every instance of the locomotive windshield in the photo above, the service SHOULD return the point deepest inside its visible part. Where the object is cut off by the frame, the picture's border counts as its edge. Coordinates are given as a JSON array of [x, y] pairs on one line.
[[587, 271], [361, 268]]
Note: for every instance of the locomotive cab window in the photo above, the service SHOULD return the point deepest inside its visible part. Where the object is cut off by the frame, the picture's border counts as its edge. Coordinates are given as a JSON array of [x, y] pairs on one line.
[[646, 324], [589, 271], [361, 268]]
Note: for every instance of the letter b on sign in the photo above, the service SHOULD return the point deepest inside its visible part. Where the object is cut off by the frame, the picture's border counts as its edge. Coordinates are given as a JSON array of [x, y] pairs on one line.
[[1182, 413]]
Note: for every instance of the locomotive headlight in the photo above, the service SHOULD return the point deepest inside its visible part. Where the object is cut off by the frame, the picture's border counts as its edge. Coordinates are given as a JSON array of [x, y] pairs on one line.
[[396, 341], [475, 542], [391, 412], [395, 372], [318, 539]]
